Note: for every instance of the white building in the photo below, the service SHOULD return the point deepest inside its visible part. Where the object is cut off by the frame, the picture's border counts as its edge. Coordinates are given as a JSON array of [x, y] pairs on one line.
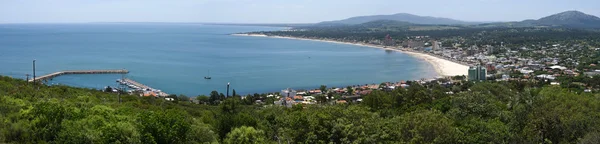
[[288, 93]]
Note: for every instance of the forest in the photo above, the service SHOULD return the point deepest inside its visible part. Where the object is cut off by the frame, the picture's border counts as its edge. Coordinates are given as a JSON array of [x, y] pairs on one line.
[[487, 112], [467, 36]]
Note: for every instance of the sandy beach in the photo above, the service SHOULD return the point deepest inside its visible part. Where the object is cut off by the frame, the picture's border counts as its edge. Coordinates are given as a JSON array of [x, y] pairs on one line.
[[443, 67]]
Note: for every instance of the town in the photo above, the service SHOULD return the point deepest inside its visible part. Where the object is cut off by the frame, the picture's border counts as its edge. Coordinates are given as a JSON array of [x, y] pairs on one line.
[[426, 79], [562, 63]]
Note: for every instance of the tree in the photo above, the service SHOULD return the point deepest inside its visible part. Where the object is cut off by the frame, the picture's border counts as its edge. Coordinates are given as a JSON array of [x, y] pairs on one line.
[[245, 135], [416, 95], [222, 97], [203, 99], [377, 100], [183, 98], [323, 88], [321, 98], [382, 85], [498, 112], [231, 105], [227, 121], [108, 89], [562, 116], [47, 120], [201, 133], [590, 138], [170, 126], [426, 126], [350, 90], [249, 99], [214, 98]]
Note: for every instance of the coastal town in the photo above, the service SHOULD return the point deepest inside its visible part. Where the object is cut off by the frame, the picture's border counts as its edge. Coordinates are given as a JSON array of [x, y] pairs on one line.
[[455, 63], [463, 73]]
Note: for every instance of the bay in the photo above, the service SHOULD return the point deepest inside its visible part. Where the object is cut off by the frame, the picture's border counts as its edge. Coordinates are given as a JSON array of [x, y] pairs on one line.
[[176, 57]]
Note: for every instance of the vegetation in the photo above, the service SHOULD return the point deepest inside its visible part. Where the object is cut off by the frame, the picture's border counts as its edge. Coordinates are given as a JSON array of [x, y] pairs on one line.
[[466, 36], [507, 112]]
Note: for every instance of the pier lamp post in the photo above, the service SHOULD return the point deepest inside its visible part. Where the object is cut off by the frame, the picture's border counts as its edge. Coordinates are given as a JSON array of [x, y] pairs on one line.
[[227, 89]]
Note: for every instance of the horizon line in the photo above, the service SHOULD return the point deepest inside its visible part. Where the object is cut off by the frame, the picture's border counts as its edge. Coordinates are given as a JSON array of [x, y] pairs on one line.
[[251, 23]]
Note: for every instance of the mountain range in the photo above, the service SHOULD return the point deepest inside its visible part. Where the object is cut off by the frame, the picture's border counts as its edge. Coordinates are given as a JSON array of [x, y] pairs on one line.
[[404, 17], [569, 19]]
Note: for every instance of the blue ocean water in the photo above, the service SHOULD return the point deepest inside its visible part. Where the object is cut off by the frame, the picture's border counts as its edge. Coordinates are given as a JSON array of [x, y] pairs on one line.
[[176, 57]]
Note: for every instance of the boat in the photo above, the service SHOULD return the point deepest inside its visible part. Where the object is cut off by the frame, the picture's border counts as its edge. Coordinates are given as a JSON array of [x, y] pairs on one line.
[[208, 77]]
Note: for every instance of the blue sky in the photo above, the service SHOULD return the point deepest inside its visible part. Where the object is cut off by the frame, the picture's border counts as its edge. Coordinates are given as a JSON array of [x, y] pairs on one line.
[[277, 11]]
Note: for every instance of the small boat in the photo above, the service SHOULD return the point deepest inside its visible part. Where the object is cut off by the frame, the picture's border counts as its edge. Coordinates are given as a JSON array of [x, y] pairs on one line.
[[208, 77]]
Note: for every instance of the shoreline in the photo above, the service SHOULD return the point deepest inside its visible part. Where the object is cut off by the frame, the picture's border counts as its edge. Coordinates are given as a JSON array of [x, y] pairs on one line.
[[442, 66]]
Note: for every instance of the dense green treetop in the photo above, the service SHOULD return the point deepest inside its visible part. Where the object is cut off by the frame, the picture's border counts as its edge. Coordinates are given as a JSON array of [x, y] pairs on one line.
[[497, 112]]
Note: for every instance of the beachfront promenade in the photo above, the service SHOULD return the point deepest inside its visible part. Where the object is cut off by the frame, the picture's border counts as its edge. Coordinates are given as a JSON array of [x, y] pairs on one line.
[[53, 75]]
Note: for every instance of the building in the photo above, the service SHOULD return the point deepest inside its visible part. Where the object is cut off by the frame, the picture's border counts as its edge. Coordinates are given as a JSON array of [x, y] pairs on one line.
[[592, 73], [388, 40], [477, 73], [490, 49], [285, 101], [287, 98], [435, 45], [288, 93]]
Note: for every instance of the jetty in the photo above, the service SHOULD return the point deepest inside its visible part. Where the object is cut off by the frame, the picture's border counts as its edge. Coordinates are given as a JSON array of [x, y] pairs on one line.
[[137, 84], [53, 75], [141, 87]]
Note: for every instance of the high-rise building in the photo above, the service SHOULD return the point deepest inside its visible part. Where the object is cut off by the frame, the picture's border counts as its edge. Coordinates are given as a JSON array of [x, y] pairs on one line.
[[482, 73], [473, 74], [477, 73], [435, 45]]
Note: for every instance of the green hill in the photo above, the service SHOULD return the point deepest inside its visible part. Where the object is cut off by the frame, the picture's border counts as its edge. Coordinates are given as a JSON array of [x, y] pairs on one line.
[[503, 112], [568, 19]]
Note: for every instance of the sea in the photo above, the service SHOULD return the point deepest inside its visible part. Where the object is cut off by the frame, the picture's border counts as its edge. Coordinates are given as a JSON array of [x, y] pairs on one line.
[[175, 58]]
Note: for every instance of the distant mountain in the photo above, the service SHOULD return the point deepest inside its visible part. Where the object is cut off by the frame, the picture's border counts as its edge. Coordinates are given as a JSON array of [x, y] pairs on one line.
[[385, 23], [264, 24], [569, 19], [404, 17]]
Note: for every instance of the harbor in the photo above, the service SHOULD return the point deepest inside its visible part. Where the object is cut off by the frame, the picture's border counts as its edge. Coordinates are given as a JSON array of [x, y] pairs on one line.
[[144, 90], [136, 87]]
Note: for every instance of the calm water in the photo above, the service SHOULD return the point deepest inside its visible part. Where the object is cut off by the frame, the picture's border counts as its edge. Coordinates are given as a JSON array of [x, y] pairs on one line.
[[176, 57]]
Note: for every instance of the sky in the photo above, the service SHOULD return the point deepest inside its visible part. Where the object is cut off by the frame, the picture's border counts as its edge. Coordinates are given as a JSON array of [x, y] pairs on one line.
[[277, 11]]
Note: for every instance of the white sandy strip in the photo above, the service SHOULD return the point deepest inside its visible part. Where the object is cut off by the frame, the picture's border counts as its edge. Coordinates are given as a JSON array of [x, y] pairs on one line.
[[442, 67]]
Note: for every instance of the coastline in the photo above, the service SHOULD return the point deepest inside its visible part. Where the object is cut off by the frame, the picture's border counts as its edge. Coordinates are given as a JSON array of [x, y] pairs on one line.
[[442, 66]]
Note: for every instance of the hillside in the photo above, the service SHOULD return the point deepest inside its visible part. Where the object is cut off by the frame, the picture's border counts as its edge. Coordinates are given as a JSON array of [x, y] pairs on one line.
[[499, 112], [568, 19], [385, 23], [404, 17], [571, 19]]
